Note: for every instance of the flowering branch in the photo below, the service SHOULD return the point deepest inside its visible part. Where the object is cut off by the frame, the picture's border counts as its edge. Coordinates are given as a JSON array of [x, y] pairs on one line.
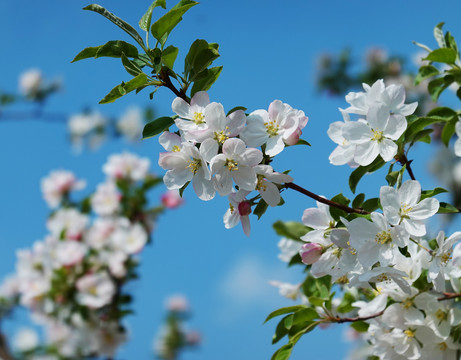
[[323, 200], [165, 77]]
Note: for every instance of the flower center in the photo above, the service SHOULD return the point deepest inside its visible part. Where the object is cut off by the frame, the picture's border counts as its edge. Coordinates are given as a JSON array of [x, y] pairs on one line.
[[443, 346], [409, 333], [405, 209], [261, 185], [272, 128], [407, 303], [382, 277], [199, 118], [194, 165], [176, 148], [232, 208], [377, 135], [231, 165], [445, 257], [441, 315], [384, 237], [220, 137]]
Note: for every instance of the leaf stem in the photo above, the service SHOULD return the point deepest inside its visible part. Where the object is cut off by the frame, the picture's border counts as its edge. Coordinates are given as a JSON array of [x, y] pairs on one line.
[[325, 201]]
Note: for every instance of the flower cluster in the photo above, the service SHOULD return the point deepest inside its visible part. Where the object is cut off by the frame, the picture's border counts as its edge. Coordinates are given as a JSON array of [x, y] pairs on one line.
[[361, 142], [73, 281], [216, 151]]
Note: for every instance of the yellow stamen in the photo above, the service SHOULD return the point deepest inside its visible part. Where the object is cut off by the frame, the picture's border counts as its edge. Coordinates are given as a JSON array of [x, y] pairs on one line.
[[231, 165], [220, 137], [194, 165], [409, 333], [176, 148], [272, 128], [377, 135], [199, 118], [384, 237]]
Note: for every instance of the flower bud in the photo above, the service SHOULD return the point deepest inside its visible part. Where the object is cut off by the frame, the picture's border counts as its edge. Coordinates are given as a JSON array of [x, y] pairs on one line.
[[244, 208], [310, 253], [171, 199]]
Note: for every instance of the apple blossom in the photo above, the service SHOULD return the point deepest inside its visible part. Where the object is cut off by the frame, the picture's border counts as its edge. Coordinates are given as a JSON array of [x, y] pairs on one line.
[[239, 209], [127, 166], [95, 290], [58, 184]]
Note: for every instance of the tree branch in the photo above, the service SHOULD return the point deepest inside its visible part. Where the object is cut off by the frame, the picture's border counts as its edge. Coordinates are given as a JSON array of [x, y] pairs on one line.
[[165, 77], [5, 353], [323, 200], [403, 160], [449, 296]]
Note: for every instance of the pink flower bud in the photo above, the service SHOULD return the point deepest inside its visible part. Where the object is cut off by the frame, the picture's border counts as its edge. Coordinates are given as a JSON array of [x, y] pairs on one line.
[[244, 208], [193, 338], [171, 199], [294, 138], [310, 253]]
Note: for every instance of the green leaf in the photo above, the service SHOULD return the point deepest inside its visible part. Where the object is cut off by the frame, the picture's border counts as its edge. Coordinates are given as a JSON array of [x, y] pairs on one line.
[[163, 26], [446, 208], [438, 34], [157, 126], [260, 208], [443, 113], [304, 315], [444, 55], [169, 56], [437, 86], [130, 66], [425, 72], [335, 212], [358, 173], [146, 19], [448, 131], [122, 89], [360, 326], [391, 178], [451, 42], [430, 193], [202, 60], [288, 322], [280, 331], [358, 201], [199, 53], [89, 52], [423, 135], [206, 79], [284, 310], [283, 353], [371, 205], [117, 21], [116, 49], [291, 229]]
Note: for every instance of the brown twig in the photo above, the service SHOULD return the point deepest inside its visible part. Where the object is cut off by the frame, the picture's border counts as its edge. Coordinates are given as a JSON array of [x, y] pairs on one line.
[[5, 353], [403, 160], [449, 296], [325, 201], [340, 320], [164, 76]]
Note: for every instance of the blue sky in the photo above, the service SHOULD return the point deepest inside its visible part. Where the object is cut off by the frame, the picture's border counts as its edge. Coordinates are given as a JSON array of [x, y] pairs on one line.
[[269, 52]]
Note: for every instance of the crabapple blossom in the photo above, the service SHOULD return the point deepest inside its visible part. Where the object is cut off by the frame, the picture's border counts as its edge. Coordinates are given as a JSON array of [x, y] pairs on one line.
[[171, 199], [402, 207], [30, 82], [272, 127], [68, 222], [236, 163], [131, 123], [129, 238], [25, 339], [345, 151], [267, 178], [126, 166], [95, 290], [375, 136], [192, 119], [58, 184], [220, 128], [106, 199], [185, 165], [310, 253]]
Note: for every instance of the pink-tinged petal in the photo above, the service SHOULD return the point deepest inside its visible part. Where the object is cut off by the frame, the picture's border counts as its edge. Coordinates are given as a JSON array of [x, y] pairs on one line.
[[181, 108], [236, 123], [215, 116], [233, 147], [201, 99], [203, 188], [366, 153], [274, 145], [357, 132], [169, 140], [217, 163], [378, 116], [209, 148], [175, 179], [276, 107], [387, 149], [396, 126], [172, 160], [245, 178], [410, 192], [245, 220], [252, 157], [424, 209], [310, 253], [342, 154], [316, 219], [231, 218], [270, 193], [414, 227]]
